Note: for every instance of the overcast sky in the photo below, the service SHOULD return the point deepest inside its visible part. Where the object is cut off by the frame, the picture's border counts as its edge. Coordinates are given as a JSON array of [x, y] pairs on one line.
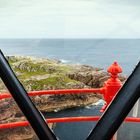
[[69, 19]]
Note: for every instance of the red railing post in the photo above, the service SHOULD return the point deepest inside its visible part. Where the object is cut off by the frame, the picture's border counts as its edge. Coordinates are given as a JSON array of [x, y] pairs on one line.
[[112, 85]]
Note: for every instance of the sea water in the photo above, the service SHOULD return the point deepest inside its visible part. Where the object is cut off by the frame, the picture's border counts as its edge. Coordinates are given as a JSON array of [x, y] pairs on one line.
[[95, 52]]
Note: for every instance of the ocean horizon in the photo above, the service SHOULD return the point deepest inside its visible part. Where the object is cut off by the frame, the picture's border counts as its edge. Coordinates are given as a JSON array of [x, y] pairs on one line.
[[95, 52]]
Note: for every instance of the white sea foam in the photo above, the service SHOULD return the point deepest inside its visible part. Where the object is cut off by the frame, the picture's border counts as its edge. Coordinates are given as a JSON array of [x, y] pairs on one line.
[[64, 61], [88, 107], [100, 102]]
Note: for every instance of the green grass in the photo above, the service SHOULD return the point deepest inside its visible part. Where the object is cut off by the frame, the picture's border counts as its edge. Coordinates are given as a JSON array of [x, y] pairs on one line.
[[56, 74], [27, 75], [55, 81]]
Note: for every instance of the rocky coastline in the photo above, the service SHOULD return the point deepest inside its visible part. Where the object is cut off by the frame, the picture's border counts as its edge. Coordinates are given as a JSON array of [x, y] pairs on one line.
[[45, 74]]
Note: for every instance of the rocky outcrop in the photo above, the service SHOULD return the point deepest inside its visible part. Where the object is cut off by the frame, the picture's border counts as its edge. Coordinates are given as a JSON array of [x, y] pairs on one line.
[[92, 77], [89, 78]]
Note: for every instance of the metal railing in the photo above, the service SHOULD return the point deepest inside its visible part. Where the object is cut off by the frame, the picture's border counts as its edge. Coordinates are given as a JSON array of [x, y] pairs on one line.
[[115, 113]]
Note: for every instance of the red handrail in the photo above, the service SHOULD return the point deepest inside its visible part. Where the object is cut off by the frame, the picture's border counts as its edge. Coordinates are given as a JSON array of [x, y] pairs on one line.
[[60, 91], [58, 120]]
